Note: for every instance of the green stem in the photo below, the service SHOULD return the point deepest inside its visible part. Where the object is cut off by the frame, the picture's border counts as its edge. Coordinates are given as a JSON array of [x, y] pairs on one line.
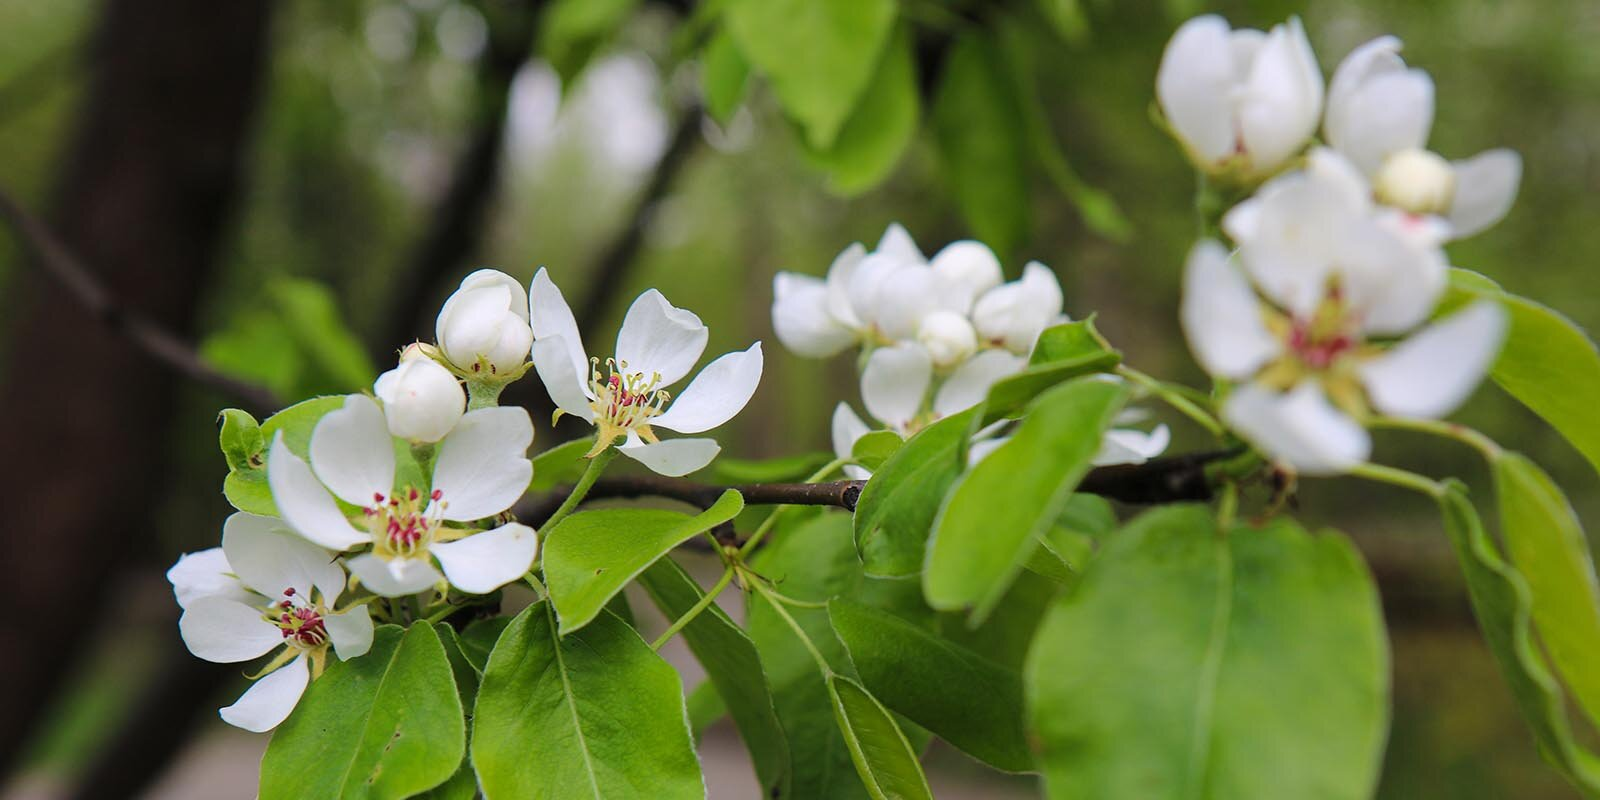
[[694, 611], [772, 519], [597, 465], [483, 394], [1488, 447], [438, 615], [777, 606], [792, 601], [1228, 505], [1174, 399], [1399, 477]]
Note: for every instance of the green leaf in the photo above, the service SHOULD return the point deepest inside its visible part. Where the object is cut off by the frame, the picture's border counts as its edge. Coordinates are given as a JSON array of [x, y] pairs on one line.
[[386, 725], [240, 439], [883, 758], [1068, 19], [571, 31], [1065, 549], [1063, 352], [969, 701], [477, 641], [593, 714], [461, 667], [561, 465], [311, 315], [874, 448], [591, 555], [898, 504], [995, 513], [1547, 545], [246, 488], [1548, 363], [818, 55], [1193, 663], [724, 77], [1502, 603], [1006, 635], [870, 144], [733, 668], [979, 125]]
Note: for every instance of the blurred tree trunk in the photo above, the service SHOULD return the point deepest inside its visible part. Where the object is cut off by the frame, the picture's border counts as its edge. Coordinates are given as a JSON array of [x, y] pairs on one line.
[[145, 195]]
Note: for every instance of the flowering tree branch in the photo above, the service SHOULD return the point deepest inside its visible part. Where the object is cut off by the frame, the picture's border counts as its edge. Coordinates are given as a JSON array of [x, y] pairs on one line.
[[53, 256]]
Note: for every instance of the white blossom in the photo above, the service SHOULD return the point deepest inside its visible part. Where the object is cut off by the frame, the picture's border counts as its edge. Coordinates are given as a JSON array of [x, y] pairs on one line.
[[483, 329], [1012, 315], [1380, 113], [480, 468], [422, 400], [1242, 102], [267, 588], [657, 346]]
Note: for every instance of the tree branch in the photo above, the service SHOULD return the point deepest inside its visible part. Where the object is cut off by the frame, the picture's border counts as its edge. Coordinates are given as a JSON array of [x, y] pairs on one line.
[[155, 341]]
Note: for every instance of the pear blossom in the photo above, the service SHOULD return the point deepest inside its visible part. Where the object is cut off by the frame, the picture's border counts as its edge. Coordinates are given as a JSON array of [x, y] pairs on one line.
[[483, 329], [1242, 102], [896, 381], [1310, 369], [1012, 315], [657, 346], [480, 468], [266, 588], [881, 297], [422, 400], [1379, 115]]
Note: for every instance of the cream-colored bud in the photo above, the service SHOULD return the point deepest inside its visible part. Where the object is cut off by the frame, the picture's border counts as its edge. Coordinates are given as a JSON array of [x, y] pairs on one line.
[[948, 337], [1415, 180], [421, 400]]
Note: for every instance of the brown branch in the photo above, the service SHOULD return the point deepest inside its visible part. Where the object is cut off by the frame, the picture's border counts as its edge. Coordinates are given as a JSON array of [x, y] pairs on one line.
[[85, 286]]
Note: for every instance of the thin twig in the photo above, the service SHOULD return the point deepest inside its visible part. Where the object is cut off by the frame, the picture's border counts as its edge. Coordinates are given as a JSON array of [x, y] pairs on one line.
[[157, 342]]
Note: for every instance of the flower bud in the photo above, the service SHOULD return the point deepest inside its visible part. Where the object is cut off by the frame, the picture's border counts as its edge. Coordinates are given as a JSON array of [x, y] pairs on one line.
[[948, 337], [421, 400], [483, 329], [1416, 180]]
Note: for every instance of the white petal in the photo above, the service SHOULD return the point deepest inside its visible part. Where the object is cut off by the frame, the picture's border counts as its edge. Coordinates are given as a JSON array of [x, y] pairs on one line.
[[904, 297], [840, 273], [672, 457], [866, 284], [475, 324], [483, 466], [421, 400], [1013, 315], [1222, 317], [720, 391], [1129, 446], [1282, 98], [898, 244], [206, 574], [1299, 428], [350, 632], [1388, 113], [352, 454], [970, 267], [225, 631], [551, 360], [969, 384], [1391, 281], [271, 699], [484, 562], [552, 317], [660, 338], [1298, 228], [847, 428], [305, 504], [269, 558], [394, 578], [494, 277], [1194, 84], [801, 318], [894, 383], [1486, 186], [1377, 57], [1431, 373], [948, 337]]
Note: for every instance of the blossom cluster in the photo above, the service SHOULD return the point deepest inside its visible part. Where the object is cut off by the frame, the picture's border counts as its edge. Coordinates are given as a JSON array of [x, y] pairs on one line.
[[402, 495], [1322, 314], [935, 334]]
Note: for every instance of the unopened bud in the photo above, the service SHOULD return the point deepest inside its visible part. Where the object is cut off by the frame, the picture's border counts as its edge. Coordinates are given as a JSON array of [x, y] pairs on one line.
[[483, 329], [421, 400], [948, 337], [1419, 181]]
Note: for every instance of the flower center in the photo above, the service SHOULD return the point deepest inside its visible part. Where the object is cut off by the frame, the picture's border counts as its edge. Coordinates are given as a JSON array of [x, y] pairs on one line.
[[624, 401], [404, 524], [299, 621]]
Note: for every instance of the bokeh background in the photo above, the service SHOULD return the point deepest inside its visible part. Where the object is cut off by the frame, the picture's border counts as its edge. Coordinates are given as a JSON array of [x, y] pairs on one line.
[[294, 186]]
